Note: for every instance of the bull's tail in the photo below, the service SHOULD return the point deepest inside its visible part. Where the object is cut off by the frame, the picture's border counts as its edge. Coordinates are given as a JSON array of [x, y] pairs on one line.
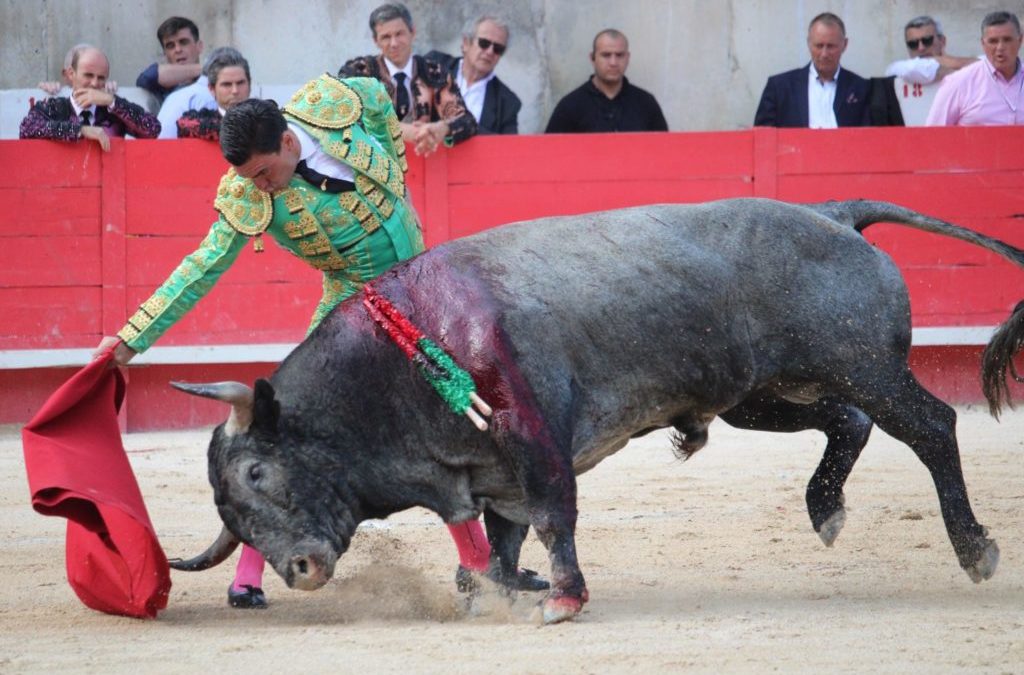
[[860, 214], [997, 361]]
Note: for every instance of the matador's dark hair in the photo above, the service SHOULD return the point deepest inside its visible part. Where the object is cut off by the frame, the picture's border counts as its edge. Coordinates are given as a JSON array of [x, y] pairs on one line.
[[252, 127]]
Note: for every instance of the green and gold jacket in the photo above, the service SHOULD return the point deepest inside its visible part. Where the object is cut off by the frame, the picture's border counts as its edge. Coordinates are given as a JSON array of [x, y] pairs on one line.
[[351, 237]]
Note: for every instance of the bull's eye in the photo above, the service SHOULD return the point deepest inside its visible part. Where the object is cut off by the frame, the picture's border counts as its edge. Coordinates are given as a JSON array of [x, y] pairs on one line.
[[255, 474]]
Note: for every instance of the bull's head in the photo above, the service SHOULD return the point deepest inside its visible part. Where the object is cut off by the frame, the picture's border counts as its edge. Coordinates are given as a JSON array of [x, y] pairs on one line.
[[272, 490]]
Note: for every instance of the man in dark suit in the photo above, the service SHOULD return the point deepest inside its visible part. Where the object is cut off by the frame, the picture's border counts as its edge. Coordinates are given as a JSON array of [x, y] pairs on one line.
[[91, 112], [494, 105], [430, 109], [821, 95]]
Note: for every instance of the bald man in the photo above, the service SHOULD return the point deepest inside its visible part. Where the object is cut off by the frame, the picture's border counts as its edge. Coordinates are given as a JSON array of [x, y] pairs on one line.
[[91, 112]]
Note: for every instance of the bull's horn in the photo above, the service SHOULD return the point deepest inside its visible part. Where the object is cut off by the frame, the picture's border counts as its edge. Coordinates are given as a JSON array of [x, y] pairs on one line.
[[240, 397], [217, 553]]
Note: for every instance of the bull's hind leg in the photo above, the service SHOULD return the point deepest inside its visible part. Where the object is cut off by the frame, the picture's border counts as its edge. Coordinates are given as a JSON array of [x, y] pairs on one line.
[[847, 430], [905, 411]]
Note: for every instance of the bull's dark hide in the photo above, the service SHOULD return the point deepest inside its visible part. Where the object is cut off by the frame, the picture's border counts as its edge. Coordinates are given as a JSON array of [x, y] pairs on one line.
[[582, 332]]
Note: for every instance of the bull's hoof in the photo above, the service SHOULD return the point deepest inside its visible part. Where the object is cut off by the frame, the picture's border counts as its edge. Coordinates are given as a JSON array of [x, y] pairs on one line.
[[251, 598], [985, 566], [831, 528], [467, 581], [564, 608]]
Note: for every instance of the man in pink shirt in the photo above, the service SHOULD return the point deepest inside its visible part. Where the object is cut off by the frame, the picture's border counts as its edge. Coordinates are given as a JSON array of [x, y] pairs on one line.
[[991, 91]]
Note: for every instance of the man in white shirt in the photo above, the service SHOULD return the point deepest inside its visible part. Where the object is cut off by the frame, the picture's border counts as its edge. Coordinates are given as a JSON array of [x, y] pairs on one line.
[[494, 106], [195, 96], [928, 61], [229, 83], [821, 95]]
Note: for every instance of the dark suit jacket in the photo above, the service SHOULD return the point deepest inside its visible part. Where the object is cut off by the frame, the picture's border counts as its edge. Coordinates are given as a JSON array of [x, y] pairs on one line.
[[55, 118], [435, 96], [500, 114], [784, 101]]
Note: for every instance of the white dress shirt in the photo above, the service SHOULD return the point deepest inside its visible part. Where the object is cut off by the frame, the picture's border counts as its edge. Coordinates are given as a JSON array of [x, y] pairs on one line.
[[473, 94], [195, 96], [821, 96], [78, 110], [317, 159]]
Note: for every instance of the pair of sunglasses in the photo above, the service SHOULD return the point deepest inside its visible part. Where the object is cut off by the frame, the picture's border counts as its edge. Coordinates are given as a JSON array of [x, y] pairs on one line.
[[926, 41], [499, 48]]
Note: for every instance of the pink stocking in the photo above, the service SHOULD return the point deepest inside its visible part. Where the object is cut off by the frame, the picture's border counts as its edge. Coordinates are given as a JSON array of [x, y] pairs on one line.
[[474, 550], [250, 569]]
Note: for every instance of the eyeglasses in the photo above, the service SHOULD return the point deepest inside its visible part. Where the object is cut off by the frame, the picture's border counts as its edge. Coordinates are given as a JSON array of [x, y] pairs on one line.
[[926, 41], [486, 44]]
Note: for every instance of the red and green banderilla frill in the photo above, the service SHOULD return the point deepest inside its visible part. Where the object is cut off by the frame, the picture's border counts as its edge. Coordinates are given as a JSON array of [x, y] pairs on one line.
[[437, 366]]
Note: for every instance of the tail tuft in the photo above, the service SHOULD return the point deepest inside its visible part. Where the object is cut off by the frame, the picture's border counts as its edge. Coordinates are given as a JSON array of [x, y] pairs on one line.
[[997, 361]]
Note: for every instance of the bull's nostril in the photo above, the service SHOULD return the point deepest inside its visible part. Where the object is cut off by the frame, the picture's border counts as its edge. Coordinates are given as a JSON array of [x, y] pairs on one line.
[[303, 566]]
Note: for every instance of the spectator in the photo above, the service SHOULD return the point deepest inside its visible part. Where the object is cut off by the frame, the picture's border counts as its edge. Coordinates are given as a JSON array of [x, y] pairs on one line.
[[195, 111], [607, 101], [987, 92], [928, 62], [179, 38], [54, 88], [494, 106], [91, 111], [427, 101], [821, 95]]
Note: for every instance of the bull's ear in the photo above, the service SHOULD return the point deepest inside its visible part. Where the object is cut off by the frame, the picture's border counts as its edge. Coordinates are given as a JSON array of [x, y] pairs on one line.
[[266, 410]]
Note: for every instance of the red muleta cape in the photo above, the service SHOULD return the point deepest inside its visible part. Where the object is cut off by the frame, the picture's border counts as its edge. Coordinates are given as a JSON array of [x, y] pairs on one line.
[[77, 469]]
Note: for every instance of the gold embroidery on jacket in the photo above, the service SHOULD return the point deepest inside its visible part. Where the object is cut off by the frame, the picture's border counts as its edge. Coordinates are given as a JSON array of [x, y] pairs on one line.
[[292, 200], [147, 311], [326, 102], [246, 208]]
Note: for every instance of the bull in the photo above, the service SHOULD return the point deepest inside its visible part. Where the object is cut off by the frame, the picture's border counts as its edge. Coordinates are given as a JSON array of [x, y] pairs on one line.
[[583, 332]]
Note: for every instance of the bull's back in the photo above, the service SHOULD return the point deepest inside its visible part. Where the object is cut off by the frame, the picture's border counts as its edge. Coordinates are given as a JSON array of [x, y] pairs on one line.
[[664, 274], [627, 319]]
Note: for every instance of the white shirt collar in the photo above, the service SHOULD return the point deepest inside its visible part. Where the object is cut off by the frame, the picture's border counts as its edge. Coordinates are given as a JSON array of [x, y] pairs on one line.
[[78, 110], [307, 146], [815, 77], [462, 78], [392, 68]]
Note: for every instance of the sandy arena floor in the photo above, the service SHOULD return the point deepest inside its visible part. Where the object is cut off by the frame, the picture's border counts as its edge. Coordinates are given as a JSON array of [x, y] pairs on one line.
[[709, 566]]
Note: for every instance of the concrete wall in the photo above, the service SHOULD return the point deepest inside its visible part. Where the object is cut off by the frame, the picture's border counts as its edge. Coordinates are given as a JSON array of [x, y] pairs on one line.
[[705, 60]]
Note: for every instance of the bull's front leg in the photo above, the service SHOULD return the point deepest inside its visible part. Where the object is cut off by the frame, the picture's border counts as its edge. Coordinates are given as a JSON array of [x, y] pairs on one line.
[[544, 470]]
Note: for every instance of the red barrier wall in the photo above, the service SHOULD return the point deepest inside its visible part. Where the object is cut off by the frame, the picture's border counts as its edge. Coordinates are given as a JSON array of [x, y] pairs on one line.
[[86, 236]]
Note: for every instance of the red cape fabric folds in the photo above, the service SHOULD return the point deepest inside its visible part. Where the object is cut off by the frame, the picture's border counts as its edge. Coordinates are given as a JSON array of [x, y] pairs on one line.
[[77, 469]]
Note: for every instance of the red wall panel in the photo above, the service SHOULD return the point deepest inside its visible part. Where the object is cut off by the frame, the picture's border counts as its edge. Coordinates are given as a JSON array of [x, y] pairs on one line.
[[86, 236]]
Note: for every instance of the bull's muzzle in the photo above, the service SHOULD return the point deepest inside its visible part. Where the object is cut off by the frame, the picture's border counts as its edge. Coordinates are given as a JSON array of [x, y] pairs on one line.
[[311, 570]]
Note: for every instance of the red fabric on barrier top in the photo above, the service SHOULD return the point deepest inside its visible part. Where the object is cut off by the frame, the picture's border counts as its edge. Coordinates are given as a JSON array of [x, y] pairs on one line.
[[77, 469]]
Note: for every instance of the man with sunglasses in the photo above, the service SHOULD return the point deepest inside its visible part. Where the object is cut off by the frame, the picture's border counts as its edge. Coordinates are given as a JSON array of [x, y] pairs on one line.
[[990, 91], [427, 101], [928, 61], [494, 106], [607, 101]]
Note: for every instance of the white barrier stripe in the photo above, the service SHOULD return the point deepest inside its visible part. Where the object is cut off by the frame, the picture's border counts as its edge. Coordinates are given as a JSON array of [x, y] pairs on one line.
[[20, 359], [952, 336], [16, 359]]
